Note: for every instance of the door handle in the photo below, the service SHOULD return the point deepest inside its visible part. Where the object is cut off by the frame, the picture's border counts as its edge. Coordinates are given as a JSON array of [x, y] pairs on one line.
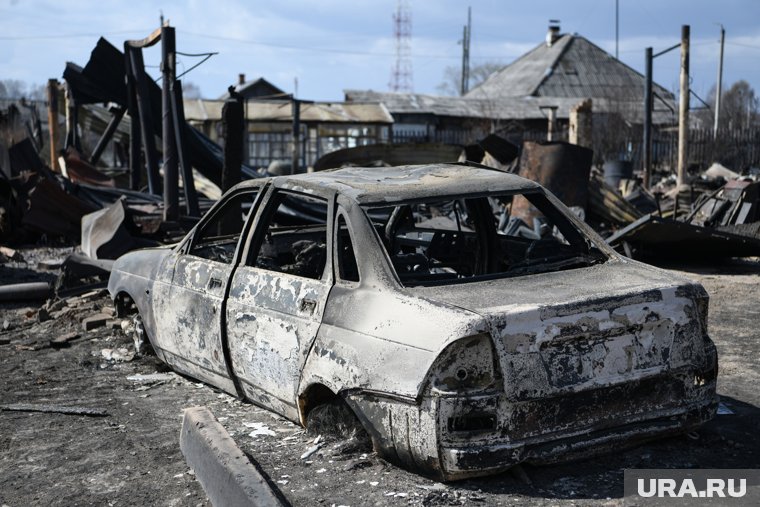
[[213, 283], [308, 305]]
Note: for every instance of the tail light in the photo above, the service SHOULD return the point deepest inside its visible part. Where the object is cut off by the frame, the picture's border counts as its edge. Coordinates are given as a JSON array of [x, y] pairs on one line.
[[465, 365]]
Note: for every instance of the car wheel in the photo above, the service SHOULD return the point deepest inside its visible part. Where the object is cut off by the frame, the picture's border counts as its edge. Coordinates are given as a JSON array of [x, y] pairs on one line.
[[335, 419], [139, 336]]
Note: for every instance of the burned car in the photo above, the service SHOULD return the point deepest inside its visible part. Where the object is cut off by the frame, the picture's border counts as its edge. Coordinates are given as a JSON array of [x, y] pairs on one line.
[[463, 340]]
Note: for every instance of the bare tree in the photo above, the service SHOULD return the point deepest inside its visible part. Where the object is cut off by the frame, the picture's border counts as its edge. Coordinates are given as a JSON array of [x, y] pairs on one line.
[[191, 90], [740, 107], [452, 76], [17, 89]]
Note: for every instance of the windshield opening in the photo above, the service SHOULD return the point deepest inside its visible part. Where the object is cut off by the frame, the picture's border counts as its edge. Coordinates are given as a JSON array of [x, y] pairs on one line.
[[453, 240]]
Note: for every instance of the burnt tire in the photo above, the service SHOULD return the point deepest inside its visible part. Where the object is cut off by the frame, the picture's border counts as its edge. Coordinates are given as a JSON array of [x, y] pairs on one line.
[[336, 419], [140, 337]]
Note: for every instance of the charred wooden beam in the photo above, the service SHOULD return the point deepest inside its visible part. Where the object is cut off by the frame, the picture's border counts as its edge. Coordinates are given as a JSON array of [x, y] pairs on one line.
[[118, 114], [52, 97], [137, 68], [171, 176], [188, 182]]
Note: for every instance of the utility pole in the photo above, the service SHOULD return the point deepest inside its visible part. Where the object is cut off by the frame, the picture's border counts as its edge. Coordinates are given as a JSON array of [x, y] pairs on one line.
[[719, 90], [683, 109], [648, 102], [617, 27], [465, 86]]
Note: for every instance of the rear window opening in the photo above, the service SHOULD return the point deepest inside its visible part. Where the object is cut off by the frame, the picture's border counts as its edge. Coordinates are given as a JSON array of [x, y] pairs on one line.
[[451, 240]]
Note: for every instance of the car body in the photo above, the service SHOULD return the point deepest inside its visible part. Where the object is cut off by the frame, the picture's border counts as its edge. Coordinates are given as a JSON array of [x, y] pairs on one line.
[[462, 346]]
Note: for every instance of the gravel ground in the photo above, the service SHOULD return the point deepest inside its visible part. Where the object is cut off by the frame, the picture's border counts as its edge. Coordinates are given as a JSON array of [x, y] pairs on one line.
[[132, 457]]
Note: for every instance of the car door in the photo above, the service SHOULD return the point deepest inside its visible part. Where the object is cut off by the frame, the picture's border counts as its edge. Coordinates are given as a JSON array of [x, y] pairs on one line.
[[277, 297], [192, 313]]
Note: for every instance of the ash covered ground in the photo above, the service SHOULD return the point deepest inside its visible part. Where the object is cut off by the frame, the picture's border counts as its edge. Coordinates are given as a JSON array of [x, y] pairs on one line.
[[131, 456]]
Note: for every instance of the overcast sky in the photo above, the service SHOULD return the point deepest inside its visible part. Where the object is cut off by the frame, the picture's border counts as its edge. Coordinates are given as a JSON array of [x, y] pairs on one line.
[[332, 45]]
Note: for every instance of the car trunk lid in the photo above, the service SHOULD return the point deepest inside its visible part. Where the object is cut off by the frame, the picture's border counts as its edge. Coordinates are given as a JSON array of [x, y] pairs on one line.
[[582, 329]]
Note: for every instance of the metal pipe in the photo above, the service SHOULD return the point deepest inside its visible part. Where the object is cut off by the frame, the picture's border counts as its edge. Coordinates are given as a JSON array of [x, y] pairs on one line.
[[178, 110], [135, 162], [647, 155], [146, 120]]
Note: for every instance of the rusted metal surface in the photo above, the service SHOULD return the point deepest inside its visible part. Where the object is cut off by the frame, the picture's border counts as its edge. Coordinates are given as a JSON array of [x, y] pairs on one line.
[[449, 379], [652, 237], [560, 167]]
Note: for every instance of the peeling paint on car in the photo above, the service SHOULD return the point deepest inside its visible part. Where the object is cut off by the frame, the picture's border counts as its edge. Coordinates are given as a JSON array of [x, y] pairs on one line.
[[452, 380]]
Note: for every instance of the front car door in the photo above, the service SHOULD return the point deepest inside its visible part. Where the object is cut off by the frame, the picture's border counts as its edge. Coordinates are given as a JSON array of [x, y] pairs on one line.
[[277, 297], [191, 318]]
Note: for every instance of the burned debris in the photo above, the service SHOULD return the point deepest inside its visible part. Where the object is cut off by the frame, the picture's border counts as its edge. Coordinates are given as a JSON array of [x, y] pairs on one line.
[[457, 309]]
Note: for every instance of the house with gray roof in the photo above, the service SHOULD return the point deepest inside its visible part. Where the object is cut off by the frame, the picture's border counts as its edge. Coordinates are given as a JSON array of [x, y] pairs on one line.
[[571, 66], [556, 75]]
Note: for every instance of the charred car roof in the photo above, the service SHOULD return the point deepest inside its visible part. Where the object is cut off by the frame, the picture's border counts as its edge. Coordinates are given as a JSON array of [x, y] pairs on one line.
[[372, 185]]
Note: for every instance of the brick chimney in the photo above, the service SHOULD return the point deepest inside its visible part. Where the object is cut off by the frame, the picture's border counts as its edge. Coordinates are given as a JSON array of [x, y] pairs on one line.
[[241, 79]]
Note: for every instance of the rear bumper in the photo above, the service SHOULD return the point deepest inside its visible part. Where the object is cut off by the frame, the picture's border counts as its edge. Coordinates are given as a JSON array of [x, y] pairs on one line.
[[421, 436], [486, 459]]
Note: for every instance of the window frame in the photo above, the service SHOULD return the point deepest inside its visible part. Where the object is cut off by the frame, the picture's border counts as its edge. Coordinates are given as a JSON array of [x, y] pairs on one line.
[[192, 239], [260, 225], [341, 213], [555, 206]]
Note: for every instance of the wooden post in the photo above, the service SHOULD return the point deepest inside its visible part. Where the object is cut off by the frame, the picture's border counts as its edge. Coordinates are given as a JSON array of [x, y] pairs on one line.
[[719, 87], [551, 112], [683, 109], [296, 106], [171, 172], [52, 99], [72, 135]]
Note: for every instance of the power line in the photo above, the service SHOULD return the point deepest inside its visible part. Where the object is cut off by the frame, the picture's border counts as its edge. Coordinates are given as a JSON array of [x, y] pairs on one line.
[[742, 45], [67, 36], [311, 48]]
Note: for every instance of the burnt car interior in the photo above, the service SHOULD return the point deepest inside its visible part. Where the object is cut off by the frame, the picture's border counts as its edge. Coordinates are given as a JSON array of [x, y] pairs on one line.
[[218, 238], [449, 240], [294, 238]]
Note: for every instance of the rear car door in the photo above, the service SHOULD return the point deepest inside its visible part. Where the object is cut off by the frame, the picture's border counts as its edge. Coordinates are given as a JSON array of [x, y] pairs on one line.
[[277, 297], [192, 314]]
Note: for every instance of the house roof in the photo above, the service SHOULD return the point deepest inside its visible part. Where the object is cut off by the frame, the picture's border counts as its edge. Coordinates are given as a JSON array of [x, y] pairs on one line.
[[572, 66], [515, 108], [502, 108], [281, 111], [256, 87]]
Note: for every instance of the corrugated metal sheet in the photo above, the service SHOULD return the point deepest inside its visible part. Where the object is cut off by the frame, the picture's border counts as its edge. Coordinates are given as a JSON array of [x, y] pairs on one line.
[[280, 111]]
